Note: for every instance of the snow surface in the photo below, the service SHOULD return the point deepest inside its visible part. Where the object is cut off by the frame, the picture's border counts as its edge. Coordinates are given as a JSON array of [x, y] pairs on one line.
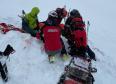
[[29, 64]]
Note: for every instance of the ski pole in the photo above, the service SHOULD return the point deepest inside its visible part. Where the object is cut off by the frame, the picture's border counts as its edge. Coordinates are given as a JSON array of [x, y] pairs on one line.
[[87, 30], [88, 25], [23, 14]]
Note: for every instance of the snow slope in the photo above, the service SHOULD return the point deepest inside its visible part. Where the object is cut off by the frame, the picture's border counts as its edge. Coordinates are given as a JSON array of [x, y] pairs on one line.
[[29, 64]]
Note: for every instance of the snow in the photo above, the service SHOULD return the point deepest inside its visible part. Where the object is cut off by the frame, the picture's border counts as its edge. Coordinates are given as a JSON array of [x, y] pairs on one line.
[[29, 64]]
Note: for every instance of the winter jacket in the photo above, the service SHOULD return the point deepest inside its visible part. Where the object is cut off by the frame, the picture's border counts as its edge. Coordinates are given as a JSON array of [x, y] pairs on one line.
[[31, 17], [52, 38], [76, 35], [51, 35]]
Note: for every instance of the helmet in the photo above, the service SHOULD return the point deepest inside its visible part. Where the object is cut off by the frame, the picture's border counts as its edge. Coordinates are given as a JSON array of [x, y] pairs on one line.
[[53, 14], [74, 13]]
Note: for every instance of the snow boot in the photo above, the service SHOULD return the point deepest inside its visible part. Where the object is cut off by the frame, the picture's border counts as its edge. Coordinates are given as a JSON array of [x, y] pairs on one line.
[[51, 59], [65, 57]]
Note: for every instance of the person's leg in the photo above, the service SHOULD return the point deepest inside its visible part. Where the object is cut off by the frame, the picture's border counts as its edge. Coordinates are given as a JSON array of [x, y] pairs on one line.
[[63, 51], [91, 53], [51, 55]]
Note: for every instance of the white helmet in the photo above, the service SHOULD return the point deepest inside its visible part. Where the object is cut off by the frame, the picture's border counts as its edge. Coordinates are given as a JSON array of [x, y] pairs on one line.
[[53, 14]]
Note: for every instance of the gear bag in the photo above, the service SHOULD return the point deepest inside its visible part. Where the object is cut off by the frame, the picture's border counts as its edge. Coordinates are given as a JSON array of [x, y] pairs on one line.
[[78, 71]]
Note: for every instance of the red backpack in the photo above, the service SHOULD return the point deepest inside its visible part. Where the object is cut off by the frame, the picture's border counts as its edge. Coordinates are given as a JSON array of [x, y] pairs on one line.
[[78, 32], [77, 23], [79, 37]]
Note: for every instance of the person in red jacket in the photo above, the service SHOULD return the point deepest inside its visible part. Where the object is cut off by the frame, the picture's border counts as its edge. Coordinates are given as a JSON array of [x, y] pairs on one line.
[[76, 34], [51, 35]]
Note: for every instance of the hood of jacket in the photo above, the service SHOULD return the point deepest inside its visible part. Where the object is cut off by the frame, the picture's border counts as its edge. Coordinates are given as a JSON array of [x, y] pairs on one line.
[[34, 12]]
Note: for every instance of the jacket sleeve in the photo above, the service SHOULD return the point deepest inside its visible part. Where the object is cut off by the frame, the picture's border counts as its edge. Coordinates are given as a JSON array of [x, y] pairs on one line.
[[42, 26]]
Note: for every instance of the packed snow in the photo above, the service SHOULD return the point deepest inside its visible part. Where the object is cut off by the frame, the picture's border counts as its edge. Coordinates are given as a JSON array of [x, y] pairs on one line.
[[29, 64]]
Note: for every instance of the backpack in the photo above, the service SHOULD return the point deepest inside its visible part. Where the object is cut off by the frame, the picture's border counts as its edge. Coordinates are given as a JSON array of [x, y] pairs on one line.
[[78, 36], [77, 23]]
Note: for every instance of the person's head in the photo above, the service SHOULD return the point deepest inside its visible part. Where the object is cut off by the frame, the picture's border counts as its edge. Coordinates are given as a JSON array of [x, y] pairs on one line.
[[52, 14], [52, 18], [75, 13], [61, 12], [34, 12]]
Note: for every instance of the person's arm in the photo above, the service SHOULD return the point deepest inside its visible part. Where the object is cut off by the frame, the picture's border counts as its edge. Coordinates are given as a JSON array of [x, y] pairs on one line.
[[42, 26]]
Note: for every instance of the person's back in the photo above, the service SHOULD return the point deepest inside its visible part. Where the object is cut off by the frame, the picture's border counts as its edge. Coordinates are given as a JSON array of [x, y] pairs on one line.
[[52, 38]]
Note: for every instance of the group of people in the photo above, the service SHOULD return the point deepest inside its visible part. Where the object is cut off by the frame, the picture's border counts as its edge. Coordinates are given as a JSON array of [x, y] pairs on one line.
[[51, 30]]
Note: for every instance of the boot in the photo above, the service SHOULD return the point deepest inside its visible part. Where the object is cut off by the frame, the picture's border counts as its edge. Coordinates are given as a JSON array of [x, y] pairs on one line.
[[65, 57], [51, 59]]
